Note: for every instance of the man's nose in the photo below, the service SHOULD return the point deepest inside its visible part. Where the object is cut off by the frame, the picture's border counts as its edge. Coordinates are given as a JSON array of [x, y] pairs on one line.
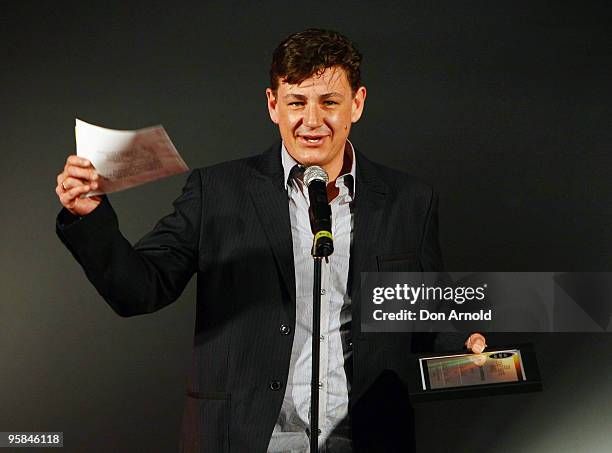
[[312, 116]]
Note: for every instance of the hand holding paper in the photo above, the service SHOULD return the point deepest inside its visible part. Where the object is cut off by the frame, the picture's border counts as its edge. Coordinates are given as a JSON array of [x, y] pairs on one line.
[[110, 160], [77, 178]]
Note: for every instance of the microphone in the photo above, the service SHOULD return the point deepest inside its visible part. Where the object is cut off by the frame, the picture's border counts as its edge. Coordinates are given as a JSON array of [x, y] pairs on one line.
[[316, 180]]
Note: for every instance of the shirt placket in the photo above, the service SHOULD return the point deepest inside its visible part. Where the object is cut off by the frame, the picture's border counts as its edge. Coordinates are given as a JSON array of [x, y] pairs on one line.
[[327, 292], [324, 350]]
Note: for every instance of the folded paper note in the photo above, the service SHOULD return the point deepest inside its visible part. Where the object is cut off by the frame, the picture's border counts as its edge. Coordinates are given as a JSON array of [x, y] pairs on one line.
[[125, 159]]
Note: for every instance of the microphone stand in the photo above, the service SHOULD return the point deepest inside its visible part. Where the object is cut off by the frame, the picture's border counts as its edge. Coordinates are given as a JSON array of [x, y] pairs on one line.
[[322, 248], [316, 180], [316, 349]]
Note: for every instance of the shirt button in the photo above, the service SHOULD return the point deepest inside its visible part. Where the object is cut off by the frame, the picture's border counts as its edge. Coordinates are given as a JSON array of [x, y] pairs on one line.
[[285, 329], [323, 292], [322, 337], [275, 385], [320, 385]]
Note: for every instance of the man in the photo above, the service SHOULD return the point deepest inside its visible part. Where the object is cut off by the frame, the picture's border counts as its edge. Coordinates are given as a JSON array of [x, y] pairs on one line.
[[244, 227]]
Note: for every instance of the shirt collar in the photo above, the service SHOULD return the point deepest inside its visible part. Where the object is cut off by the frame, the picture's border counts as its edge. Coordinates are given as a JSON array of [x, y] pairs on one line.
[[289, 162]]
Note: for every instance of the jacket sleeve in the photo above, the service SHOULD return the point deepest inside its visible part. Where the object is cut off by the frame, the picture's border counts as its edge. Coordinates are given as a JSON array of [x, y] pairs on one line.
[[149, 275]]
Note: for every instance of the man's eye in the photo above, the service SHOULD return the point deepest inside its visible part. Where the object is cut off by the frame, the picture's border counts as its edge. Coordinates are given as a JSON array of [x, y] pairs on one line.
[[330, 103], [296, 104]]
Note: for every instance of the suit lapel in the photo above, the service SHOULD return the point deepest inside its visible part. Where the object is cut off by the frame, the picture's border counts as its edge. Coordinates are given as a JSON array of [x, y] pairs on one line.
[[270, 199], [370, 192]]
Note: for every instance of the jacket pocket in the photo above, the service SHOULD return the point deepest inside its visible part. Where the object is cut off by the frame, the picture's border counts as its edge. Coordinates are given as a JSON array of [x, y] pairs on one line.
[[398, 262], [206, 423]]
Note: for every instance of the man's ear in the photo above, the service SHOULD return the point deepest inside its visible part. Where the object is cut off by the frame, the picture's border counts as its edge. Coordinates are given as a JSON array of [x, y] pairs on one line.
[[358, 104], [272, 104]]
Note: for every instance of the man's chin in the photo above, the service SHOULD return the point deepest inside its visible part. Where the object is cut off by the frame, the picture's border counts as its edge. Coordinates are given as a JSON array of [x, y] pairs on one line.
[[310, 156]]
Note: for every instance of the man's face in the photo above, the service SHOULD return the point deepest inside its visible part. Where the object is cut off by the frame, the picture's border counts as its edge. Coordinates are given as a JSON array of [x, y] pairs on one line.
[[315, 117]]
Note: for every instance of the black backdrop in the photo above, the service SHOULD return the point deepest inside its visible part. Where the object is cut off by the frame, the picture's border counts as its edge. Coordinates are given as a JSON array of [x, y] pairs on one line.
[[503, 106]]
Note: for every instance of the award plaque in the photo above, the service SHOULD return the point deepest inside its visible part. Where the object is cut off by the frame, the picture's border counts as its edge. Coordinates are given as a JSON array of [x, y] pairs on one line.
[[496, 371]]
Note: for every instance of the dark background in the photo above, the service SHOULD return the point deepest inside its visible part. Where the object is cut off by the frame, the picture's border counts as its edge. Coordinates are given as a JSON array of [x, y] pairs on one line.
[[503, 106]]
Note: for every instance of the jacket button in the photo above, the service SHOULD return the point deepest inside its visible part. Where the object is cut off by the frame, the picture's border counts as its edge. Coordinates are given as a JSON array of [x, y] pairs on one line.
[[285, 329], [275, 385]]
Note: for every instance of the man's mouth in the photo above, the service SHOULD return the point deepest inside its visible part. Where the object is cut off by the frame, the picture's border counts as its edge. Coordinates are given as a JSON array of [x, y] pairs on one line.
[[311, 139]]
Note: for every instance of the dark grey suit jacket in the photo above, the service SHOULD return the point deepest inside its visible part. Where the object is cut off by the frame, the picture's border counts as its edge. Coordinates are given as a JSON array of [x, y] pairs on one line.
[[231, 226]]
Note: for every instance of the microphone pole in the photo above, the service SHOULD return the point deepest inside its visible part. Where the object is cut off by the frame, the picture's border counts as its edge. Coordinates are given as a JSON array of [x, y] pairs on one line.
[[316, 180]]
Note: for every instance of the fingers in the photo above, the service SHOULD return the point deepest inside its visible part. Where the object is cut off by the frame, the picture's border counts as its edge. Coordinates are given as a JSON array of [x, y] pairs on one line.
[[78, 161], [77, 171], [68, 198], [476, 343], [78, 177], [478, 347], [87, 174], [71, 182], [78, 167]]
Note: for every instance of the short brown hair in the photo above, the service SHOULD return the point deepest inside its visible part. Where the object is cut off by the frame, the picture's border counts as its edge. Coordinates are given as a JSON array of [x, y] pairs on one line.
[[309, 52]]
